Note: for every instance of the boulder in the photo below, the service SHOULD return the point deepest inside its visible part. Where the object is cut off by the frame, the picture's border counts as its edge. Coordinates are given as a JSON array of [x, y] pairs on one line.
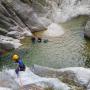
[[87, 30], [7, 82], [79, 76]]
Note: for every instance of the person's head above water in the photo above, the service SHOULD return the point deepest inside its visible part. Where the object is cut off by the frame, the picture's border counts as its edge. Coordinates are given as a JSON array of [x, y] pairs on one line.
[[15, 57]]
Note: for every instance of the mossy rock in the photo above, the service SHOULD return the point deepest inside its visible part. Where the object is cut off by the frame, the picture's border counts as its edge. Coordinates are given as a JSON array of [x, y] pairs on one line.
[[76, 87], [67, 80], [49, 89], [71, 83]]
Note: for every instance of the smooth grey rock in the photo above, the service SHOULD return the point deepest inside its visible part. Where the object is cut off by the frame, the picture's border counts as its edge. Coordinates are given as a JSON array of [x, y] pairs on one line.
[[10, 21], [28, 77], [79, 75], [87, 30], [43, 71], [7, 81], [27, 15]]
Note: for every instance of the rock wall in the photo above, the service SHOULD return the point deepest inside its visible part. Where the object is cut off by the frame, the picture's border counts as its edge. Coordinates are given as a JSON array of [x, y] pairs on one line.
[[18, 18], [61, 10], [32, 15]]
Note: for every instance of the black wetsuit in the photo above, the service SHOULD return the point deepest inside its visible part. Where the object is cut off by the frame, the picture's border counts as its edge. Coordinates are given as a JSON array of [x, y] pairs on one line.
[[21, 66]]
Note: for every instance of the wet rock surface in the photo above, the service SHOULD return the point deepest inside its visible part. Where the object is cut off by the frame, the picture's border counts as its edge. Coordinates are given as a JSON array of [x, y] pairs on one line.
[[32, 87], [73, 78]]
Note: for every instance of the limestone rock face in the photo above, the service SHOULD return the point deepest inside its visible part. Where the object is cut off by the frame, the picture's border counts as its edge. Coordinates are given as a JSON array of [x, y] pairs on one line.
[[63, 10], [19, 13], [9, 19], [18, 18], [36, 15], [59, 11], [7, 82]]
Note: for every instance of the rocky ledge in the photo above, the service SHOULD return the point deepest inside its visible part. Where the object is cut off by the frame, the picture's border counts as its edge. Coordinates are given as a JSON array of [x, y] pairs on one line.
[[9, 42], [44, 78]]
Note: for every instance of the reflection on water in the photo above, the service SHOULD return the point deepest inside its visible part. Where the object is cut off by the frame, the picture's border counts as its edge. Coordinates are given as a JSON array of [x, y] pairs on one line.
[[71, 49]]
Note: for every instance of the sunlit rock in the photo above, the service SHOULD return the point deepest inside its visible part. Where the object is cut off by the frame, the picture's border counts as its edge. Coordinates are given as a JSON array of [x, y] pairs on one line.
[[28, 77], [54, 30], [8, 42], [18, 32]]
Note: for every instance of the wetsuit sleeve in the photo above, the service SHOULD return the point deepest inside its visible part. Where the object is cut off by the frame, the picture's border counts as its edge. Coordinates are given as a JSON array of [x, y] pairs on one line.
[[20, 62]]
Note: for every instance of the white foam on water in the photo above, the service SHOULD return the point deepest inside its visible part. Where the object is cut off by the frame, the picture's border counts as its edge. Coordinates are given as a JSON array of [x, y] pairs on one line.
[[54, 30], [69, 9]]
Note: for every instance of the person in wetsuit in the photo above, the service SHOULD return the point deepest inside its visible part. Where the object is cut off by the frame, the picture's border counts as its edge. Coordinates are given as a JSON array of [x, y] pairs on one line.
[[33, 39], [39, 39], [21, 66]]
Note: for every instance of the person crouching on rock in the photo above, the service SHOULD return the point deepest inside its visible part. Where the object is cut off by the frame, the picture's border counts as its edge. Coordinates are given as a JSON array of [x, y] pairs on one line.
[[33, 39], [21, 66]]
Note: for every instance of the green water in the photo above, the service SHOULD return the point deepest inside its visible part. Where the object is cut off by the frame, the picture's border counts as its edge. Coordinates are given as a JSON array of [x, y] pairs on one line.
[[68, 50]]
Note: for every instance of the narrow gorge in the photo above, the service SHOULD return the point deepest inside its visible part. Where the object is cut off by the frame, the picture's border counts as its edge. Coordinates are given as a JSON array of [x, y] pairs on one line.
[[61, 61]]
